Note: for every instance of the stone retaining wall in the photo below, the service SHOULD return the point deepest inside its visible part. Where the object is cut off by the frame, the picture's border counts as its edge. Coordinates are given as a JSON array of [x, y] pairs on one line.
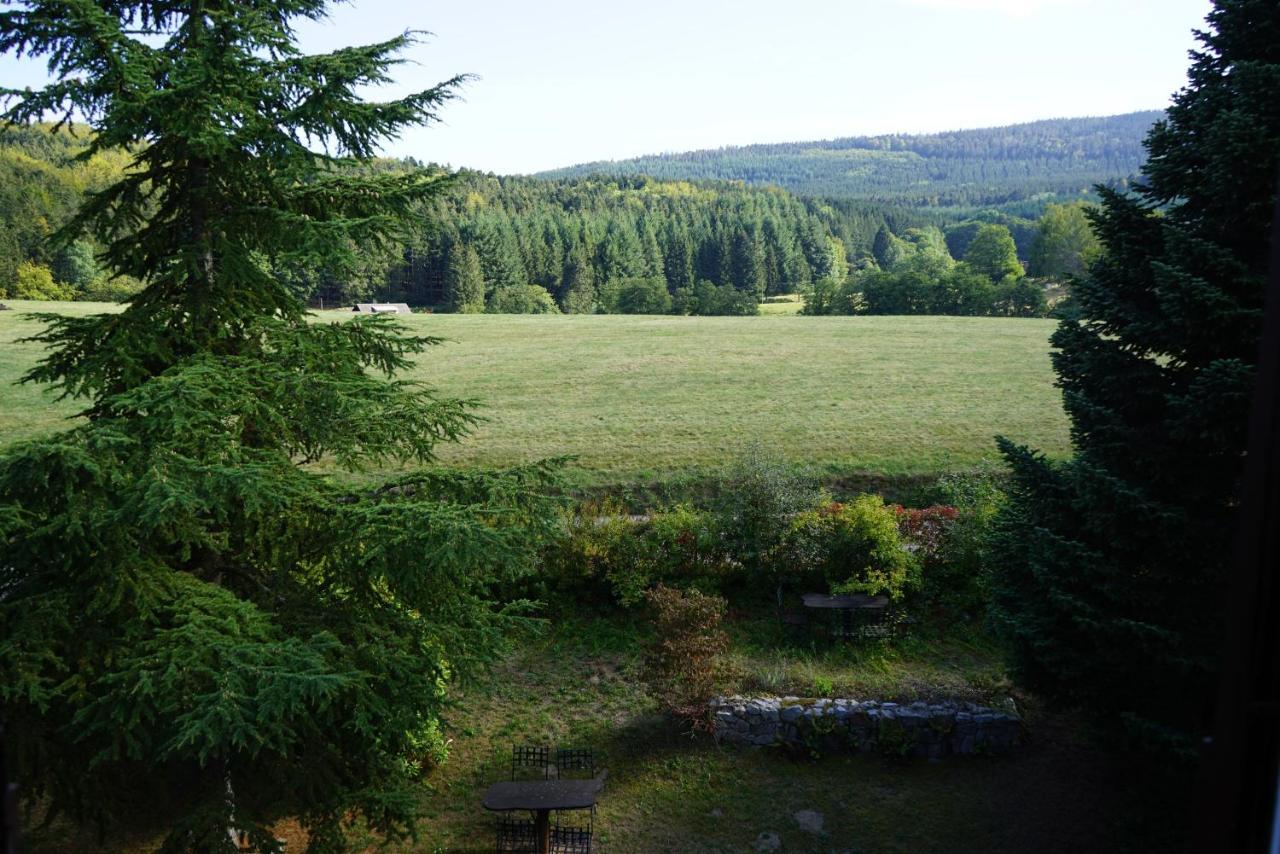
[[930, 730]]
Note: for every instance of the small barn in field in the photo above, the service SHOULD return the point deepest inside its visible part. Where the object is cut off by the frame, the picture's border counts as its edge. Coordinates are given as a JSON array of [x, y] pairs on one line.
[[382, 308]]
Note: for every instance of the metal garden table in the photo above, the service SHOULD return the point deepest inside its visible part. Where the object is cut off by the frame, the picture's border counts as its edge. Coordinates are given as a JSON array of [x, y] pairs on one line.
[[541, 797], [847, 605]]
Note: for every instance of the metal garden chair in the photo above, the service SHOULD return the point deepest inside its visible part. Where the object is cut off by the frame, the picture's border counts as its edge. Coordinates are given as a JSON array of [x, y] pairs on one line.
[[575, 763], [530, 762], [516, 834], [572, 839]]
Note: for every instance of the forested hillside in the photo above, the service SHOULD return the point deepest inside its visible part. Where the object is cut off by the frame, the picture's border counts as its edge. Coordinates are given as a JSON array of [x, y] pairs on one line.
[[41, 186], [573, 237], [966, 168], [577, 240]]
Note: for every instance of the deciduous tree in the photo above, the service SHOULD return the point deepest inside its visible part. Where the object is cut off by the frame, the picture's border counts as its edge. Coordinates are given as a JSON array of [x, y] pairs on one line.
[[1064, 244], [993, 253]]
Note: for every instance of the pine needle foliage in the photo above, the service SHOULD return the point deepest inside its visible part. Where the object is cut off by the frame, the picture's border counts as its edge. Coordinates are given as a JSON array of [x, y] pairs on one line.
[[193, 622], [242, 147], [1113, 565]]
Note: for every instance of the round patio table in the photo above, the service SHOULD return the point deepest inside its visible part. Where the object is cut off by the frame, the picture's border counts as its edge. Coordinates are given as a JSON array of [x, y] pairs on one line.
[[541, 797]]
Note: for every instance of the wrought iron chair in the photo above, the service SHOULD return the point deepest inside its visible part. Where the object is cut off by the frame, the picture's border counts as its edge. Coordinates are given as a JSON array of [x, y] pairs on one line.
[[863, 623], [516, 834], [875, 622], [530, 761], [572, 839], [574, 763]]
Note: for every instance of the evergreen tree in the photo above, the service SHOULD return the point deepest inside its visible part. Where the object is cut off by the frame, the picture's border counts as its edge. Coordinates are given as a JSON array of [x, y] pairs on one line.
[[464, 280], [549, 272], [579, 294], [748, 264], [620, 255], [650, 252], [1111, 565], [796, 273], [718, 251], [75, 265], [818, 251], [880, 247], [494, 244], [191, 618], [839, 264], [678, 261], [10, 257]]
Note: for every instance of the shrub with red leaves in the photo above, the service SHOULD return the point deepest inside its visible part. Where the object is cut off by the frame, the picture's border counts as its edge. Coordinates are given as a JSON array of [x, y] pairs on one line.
[[684, 665], [925, 528]]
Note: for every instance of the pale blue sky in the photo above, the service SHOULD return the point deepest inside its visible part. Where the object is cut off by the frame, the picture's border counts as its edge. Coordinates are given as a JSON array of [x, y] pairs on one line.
[[564, 81]]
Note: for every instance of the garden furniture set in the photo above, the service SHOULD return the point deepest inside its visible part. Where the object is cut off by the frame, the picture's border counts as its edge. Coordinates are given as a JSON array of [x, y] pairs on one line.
[[544, 782]]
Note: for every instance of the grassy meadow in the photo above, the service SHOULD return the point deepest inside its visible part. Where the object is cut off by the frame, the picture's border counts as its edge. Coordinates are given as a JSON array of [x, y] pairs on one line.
[[642, 399]]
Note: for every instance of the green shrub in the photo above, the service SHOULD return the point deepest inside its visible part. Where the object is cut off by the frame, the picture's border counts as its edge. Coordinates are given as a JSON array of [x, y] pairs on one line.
[[958, 581], [758, 496], [595, 555], [686, 548], [428, 748], [853, 548], [522, 299], [709, 299], [35, 281], [616, 557], [684, 664], [643, 296], [827, 296], [107, 289], [1021, 297]]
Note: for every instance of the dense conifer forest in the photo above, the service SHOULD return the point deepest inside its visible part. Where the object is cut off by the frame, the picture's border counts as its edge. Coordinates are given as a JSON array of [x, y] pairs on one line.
[[958, 169], [667, 242], [577, 239]]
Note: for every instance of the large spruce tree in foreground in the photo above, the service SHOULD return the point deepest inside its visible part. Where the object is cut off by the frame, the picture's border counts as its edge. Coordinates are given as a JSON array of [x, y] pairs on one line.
[[195, 627], [1112, 566]]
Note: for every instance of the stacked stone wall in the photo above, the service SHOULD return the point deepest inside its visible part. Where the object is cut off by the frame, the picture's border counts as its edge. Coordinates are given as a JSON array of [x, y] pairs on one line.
[[931, 730]]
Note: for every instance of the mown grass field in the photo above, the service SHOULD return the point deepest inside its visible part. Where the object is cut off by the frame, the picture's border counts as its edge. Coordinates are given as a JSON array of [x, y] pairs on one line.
[[646, 399]]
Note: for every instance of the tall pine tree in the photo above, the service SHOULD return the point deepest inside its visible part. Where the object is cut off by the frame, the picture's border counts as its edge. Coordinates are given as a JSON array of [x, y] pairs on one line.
[[578, 294], [1111, 566], [464, 280], [190, 618]]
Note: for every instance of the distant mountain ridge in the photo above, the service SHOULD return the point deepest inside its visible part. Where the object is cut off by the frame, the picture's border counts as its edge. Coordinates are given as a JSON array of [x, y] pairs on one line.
[[983, 166]]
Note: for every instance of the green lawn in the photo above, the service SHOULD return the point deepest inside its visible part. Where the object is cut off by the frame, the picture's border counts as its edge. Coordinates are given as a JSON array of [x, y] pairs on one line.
[[783, 305], [641, 399]]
